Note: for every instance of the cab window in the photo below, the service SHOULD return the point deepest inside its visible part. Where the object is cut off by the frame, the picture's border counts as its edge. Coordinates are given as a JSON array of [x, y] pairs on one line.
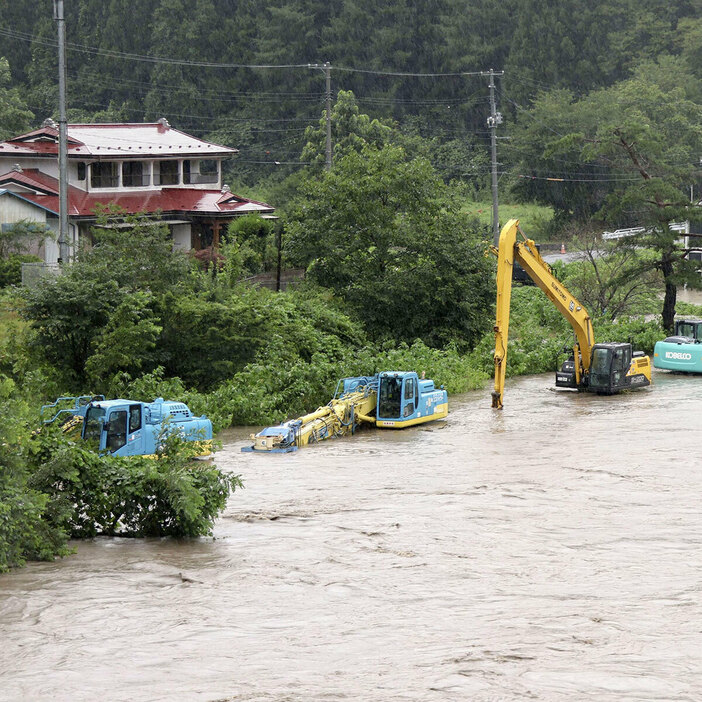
[[621, 360], [600, 361], [117, 431], [686, 329], [390, 397], [409, 389], [93, 423], [134, 418]]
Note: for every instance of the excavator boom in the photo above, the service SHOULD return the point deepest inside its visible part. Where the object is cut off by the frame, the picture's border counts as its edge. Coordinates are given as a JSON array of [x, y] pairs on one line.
[[527, 255]]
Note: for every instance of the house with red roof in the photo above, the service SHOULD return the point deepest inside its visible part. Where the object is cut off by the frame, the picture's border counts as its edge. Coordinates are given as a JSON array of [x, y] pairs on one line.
[[141, 168]]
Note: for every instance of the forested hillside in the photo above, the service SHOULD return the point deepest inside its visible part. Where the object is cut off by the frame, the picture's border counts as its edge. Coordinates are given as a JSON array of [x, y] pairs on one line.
[[237, 72]]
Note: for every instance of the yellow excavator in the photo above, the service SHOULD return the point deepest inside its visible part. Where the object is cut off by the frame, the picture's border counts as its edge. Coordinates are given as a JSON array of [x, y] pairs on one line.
[[604, 368]]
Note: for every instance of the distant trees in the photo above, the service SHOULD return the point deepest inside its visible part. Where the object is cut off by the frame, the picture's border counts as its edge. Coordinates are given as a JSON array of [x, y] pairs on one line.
[[374, 50], [15, 116], [640, 141]]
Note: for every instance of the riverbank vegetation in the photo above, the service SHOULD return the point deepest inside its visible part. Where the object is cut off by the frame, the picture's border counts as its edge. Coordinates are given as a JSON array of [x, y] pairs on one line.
[[393, 239], [241, 355]]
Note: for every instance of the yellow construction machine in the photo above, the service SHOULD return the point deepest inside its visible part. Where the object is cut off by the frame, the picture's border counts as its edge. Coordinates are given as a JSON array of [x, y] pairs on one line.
[[604, 368]]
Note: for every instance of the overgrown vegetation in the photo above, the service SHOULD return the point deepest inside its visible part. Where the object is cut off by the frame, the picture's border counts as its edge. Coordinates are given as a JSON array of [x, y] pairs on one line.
[[396, 272]]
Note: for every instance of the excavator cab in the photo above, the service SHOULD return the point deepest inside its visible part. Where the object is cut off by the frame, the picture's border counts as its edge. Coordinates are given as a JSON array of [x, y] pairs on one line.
[[688, 329], [609, 368], [615, 367], [405, 399], [398, 396]]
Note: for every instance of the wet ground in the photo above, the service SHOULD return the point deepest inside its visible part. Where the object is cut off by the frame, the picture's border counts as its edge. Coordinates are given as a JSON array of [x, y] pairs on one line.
[[550, 551]]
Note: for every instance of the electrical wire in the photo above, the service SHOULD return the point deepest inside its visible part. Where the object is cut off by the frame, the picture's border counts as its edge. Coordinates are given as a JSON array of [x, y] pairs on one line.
[[109, 53]]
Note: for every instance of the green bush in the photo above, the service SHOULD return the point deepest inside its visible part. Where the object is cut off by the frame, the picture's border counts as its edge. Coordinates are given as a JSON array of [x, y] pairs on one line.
[[637, 331], [25, 534], [91, 494], [11, 268]]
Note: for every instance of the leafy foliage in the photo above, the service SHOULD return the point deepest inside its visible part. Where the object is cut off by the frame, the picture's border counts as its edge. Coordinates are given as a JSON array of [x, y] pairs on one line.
[[382, 233], [254, 238], [11, 268], [127, 342], [351, 130], [15, 116], [91, 494], [611, 280], [24, 532], [643, 137]]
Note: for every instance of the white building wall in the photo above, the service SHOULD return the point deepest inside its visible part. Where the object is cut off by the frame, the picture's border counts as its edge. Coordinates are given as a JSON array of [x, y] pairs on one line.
[[45, 165], [14, 210]]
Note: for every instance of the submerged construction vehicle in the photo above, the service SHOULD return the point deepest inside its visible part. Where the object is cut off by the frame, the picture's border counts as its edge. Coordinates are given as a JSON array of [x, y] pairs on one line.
[[605, 368], [128, 428], [390, 400], [683, 351]]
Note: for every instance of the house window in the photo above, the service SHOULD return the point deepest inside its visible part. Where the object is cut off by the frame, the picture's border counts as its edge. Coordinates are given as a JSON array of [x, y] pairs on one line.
[[81, 170], [134, 174], [104, 174], [204, 170], [168, 173]]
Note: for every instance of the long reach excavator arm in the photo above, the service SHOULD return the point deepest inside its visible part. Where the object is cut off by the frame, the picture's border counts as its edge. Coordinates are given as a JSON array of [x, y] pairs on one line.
[[576, 372]]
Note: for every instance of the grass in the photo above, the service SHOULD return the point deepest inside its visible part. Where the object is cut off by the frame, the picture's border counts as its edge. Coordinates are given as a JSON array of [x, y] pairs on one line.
[[9, 319], [532, 218]]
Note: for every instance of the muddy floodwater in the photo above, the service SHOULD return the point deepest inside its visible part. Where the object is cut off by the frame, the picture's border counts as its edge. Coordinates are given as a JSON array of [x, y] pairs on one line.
[[551, 551]]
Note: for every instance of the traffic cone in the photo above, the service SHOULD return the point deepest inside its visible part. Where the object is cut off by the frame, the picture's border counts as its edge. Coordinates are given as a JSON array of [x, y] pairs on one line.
[[562, 247]]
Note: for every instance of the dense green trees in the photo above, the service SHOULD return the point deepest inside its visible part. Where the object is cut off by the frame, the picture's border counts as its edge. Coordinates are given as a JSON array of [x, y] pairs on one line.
[[640, 141], [374, 51], [15, 116], [382, 232]]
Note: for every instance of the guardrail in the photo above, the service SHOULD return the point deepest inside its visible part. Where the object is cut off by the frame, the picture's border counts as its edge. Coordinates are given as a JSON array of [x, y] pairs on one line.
[[680, 227]]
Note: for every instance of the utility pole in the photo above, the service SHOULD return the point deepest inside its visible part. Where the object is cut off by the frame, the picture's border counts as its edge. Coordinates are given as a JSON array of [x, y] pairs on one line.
[[62, 150], [493, 121], [326, 67], [327, 71], [279, 244]]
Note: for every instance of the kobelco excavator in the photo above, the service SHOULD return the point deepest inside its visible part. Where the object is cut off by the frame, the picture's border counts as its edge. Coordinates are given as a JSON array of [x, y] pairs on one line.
[[388, 400], [604, 368]]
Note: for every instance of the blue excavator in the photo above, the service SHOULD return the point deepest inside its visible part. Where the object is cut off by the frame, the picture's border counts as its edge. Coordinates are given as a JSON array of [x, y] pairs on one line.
[[389, 400], [126, 427], [681, 352]]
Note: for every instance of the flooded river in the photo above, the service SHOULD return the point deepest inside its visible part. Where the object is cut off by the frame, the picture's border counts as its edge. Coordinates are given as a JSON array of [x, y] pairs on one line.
[[550, 551]]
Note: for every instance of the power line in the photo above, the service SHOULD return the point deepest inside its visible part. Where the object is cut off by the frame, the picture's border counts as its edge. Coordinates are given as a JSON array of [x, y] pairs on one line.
[[576, 180], [109, 53]]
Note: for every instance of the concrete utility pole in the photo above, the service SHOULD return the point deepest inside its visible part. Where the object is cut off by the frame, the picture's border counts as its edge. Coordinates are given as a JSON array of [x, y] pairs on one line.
[[62, 150], [493, 120], [326, 67], [327, 71]]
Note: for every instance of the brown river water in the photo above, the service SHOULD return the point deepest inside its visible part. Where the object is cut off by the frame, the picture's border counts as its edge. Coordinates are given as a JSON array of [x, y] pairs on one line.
[[551, 551]]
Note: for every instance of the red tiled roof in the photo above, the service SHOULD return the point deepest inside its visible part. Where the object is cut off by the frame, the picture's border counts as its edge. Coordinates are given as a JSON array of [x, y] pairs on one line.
[[114, 141], [166, 200], [31, 178]]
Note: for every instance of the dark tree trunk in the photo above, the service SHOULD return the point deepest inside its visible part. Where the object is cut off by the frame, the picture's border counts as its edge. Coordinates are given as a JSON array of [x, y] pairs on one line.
[[671, 294]]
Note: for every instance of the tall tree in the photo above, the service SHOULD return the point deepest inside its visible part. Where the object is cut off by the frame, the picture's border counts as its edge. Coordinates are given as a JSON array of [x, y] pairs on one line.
[[384, 235], [15, 116], [647, 133]]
